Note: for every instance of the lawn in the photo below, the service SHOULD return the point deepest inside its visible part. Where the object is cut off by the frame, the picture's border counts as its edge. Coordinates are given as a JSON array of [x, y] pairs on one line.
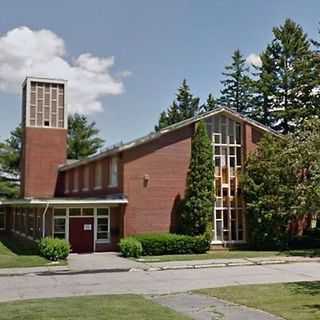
[[112, 307], [292, 301], [231, 254], [15, 253]]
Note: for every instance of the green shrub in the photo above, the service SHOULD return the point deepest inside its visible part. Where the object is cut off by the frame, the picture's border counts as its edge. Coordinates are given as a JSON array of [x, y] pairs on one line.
[[130, 247], [169, 243], [54, 249]]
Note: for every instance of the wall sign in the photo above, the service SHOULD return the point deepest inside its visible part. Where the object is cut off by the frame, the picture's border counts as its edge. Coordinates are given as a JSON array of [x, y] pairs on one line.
[[87, 227]]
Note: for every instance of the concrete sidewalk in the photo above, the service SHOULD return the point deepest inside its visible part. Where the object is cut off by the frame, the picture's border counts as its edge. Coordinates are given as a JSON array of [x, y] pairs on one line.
[[201, 307], [108, 262], [216, 263]]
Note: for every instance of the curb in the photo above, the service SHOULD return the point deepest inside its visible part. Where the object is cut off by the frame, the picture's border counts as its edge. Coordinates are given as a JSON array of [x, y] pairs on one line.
[[68, 271]]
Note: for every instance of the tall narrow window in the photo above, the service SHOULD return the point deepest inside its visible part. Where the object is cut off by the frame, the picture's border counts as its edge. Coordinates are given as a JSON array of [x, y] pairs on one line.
[[113, 172], [98, 175], [59, 225], [103, 225], [86, 177], [66, 182], [75, 180]]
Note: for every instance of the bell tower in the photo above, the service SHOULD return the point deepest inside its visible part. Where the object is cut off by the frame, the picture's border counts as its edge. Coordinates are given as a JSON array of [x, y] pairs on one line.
[[44, 143]]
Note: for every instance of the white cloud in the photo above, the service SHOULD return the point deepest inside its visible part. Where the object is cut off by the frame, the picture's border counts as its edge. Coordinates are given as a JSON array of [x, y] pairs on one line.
[[254, 59], [42, 53]]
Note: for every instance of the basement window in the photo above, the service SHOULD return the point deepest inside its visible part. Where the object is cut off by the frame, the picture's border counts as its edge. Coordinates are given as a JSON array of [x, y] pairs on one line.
[[47, 124]]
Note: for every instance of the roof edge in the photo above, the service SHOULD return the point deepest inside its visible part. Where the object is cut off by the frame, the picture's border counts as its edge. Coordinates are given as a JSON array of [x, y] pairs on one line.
[[154, 135]]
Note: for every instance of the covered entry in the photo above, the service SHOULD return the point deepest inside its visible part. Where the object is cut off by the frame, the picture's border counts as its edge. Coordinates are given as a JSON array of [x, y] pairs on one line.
[[91, 224], [85, 228]]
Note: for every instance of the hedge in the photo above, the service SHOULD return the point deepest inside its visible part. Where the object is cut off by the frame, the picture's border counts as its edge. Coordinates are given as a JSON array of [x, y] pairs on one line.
[[169, 243], [130, 247], [54, 249]]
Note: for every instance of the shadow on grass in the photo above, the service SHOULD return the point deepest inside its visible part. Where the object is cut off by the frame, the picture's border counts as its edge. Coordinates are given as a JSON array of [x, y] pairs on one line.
[[305, 288], [19, 246], [304, 253]]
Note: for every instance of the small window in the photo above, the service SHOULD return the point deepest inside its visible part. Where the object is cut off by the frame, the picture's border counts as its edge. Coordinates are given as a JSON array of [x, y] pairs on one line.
[[75, 212], [2, 220], [87, 211], [60, 212], [59, 230], [113, 172], [103, 211]]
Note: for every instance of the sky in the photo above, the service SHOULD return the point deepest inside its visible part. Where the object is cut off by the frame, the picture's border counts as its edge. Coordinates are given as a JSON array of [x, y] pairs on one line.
[[124, 60]]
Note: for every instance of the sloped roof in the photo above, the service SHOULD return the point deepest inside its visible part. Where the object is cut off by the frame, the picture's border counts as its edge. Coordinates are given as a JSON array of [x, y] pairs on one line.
[[154, 135]]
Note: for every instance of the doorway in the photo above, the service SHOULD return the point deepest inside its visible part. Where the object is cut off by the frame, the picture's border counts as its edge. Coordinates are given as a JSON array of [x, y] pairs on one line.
[[81, 231]]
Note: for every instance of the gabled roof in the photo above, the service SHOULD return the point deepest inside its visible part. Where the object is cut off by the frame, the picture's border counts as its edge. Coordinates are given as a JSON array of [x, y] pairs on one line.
[[154, 135]]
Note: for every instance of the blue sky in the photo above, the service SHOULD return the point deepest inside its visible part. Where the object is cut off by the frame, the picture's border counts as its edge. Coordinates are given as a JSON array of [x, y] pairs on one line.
[[158, 42]]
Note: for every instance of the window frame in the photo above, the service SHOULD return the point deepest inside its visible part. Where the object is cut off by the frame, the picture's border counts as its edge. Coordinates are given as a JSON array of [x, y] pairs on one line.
[[98, 175], [75, 185], [85, 178], [96, 222], [66, 182], [64, 217], [113, 172]]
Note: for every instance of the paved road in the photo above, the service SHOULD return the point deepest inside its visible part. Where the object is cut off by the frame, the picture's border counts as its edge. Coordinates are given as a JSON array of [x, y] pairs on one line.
[[160, 282]]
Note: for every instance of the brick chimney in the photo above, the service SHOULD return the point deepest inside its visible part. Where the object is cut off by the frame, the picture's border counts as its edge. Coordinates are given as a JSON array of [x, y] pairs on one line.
[[44, 143]]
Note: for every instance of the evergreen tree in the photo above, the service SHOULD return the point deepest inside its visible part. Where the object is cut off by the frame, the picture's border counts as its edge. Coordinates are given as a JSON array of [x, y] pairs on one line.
[[10, 152], [288, 78], [210, 104], [83, 139], [237, 87], [197, 207], [163, 121], [185, 106], [262, 101]]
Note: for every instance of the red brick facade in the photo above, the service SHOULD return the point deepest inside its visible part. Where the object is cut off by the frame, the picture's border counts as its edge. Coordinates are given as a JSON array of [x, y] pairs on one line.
[[44, 149], [154, 176]]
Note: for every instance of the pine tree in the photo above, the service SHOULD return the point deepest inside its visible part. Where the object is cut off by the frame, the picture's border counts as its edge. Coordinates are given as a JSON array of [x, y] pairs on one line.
[[288, 78], [262, 101], [83, 139], [185, 106], [210, 104], [197, 207], [10, 153], [237, 90]]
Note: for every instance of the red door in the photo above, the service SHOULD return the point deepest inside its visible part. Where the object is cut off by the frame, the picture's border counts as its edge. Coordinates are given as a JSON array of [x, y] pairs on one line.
[[81, 234]]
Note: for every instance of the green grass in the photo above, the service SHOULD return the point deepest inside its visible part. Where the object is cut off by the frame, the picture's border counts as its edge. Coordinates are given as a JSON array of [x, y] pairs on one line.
[[292, 301], [231, 254], [112, 307], [17, 253]]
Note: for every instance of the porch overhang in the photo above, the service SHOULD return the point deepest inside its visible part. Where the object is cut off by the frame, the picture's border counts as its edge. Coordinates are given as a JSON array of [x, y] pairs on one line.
[[109, 200]]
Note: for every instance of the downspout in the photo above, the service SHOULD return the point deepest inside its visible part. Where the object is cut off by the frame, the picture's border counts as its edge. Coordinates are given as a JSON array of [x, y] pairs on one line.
[[44, 220]]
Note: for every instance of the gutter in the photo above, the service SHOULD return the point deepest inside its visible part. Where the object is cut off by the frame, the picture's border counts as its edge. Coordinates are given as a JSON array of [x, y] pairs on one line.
[[44, 219]]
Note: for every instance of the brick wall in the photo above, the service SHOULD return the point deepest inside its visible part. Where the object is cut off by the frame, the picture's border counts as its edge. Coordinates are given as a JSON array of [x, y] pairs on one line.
[[43, 151], [154, 179]]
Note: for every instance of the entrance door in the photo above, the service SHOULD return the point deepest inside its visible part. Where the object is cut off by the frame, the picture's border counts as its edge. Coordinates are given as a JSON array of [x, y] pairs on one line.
[[81, 234]]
